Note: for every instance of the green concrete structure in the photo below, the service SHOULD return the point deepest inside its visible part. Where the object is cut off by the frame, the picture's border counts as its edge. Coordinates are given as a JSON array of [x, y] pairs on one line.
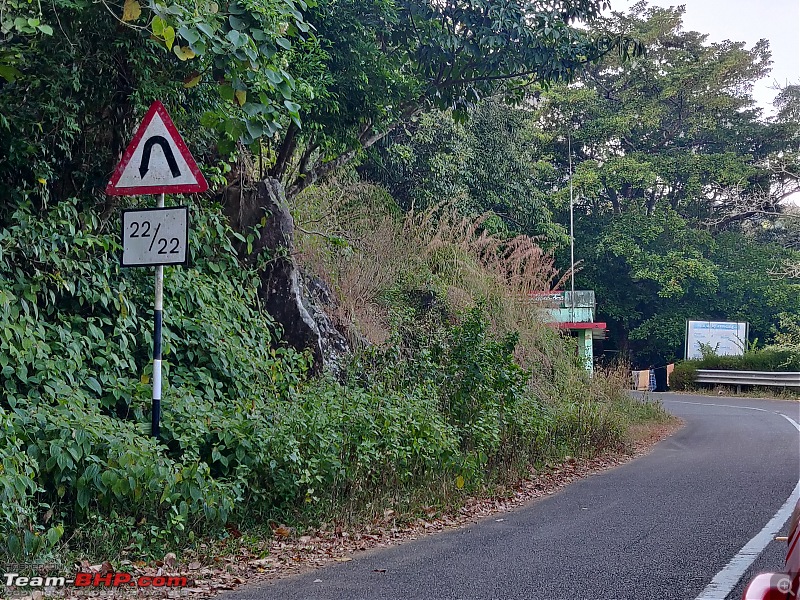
[[573, 311]]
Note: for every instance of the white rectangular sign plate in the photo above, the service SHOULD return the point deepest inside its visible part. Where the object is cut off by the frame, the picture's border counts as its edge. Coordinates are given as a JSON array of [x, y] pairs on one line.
[[155, 236], [725, 337]]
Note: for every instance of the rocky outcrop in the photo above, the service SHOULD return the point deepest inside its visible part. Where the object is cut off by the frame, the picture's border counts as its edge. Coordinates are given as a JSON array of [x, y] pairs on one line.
[[319, 301], [296, 302]]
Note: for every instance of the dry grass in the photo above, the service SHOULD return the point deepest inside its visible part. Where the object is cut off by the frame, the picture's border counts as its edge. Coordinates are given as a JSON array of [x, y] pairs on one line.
[[388, 257], [436, 250], [611, 382], [476, 266], [429, 250], [518, 265], [361, 253]]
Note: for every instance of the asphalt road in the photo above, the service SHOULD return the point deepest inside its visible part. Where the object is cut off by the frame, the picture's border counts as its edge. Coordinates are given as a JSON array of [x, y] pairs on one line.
[[660, 527]]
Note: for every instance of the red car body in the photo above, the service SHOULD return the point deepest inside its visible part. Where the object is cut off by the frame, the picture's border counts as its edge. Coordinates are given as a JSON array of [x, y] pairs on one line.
[[784, 585]]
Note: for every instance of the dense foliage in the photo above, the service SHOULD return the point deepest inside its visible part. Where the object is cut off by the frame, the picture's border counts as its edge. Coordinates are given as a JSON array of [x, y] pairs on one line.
[[381, 64], [73, 86], [309, 84], [497, 161], [465, 106], [74, 348], [769, 358], [244, 435], [652, 273], [677, 172]]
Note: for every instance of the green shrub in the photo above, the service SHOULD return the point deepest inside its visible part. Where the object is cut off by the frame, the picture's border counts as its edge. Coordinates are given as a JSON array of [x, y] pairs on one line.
[[770, 358], [22, 535], [473, 373], [588, 428], [683, 375], [242, 435], [480, 382], [75, 362], [89, 463], [352, 442], [245, 436]]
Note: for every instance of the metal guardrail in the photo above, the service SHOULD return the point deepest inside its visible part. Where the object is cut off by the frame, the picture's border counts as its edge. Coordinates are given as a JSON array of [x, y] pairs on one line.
[[766, 378]]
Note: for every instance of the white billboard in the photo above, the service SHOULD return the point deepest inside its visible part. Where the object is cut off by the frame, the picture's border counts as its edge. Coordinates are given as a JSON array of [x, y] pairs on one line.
[[726, 338]]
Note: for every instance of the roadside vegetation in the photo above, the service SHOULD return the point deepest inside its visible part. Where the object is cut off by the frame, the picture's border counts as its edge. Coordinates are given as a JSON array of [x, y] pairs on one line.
[[447, 404], [776, 358]]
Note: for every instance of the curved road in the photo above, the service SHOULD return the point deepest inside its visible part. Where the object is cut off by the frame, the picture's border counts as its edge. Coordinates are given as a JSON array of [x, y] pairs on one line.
[[660, 527]]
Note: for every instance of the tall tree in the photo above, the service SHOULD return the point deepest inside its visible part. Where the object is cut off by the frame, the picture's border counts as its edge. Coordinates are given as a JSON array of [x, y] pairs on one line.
[[677, 126], [652, 272], [497, 161], [674, 167]]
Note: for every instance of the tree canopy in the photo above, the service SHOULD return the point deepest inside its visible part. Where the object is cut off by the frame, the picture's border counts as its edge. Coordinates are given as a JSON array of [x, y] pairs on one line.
[[383, 64], [673, 166], [313, 83], [671, 139], [677, 126]]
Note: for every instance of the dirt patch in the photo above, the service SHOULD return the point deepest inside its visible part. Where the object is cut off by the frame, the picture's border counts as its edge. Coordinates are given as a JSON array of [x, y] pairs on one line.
[[647, 436]]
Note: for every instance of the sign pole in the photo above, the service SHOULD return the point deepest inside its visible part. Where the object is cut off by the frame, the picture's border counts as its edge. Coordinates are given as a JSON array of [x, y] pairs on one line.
[[158, 320], [571, 230]]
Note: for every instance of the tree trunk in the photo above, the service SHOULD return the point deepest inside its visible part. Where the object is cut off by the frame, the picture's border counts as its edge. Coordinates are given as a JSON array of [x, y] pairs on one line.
[[281, 289], [310, 174]]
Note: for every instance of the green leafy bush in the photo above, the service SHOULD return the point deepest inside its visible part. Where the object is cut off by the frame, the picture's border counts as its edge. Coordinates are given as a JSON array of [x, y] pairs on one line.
[[245, 436], [472, 372], [683, 375], [770, 358], [21, 532], [350, 442], [242, 434], [75, 348]]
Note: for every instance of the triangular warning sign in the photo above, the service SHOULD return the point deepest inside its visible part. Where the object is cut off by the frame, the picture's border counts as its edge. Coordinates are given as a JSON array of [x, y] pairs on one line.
[[156, 161]]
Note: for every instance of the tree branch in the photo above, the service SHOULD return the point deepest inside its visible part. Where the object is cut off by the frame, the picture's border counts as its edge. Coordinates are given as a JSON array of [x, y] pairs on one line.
[[285, 153], [310, 176]]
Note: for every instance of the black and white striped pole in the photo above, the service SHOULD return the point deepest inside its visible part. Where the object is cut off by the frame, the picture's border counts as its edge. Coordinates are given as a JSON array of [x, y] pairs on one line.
[[156, 237], [158, 320]]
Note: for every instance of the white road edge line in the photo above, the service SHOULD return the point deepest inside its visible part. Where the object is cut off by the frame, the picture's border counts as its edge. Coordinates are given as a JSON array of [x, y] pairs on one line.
[[727, 579], [724, 405]]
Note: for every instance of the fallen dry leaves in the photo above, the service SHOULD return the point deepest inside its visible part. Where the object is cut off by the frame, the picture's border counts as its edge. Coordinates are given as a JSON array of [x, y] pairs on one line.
[[285, 554]]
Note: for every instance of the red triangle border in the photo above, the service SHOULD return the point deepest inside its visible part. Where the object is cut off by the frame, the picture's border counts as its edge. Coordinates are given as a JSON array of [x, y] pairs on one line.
[[182, 188]]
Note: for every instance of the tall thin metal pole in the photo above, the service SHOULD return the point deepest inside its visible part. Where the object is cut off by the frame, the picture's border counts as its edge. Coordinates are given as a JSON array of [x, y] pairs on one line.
[[158, 320], [571, 227]]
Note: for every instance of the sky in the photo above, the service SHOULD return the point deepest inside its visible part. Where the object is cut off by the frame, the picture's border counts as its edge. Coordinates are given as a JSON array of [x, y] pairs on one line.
[[747, 21]]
